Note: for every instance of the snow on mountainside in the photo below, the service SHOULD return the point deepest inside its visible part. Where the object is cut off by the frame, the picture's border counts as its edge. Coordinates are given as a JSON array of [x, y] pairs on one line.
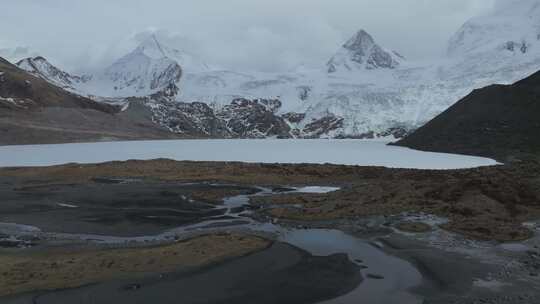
[[144, 71], [501, 47], [361, 52], [393, 98], [40, 67], [150, 68], [364, 91], [514, 27]]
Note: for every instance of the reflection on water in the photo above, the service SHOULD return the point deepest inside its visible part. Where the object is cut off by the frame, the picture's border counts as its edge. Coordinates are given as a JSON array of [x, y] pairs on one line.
[[387, 279], [394, 276], [397, 275]]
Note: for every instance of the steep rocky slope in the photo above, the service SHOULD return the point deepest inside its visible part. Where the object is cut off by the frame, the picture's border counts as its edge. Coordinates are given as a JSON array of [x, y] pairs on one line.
[[40, 67], [499, 121], [34, 111], [243, 118], [146, 70], [19, 89], [363, 91], [361, 52]]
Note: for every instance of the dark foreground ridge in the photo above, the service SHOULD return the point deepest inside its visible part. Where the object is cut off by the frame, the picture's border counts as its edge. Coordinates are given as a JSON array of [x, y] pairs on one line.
[[278, 274], [499, 121]]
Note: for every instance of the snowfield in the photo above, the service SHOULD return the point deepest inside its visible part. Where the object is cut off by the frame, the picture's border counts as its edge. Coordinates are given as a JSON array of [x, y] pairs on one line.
[[366, 89], [319, 151]]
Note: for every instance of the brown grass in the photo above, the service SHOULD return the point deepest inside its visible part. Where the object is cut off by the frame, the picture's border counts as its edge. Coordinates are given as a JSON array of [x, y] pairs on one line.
[[485, 203], [54, 269]]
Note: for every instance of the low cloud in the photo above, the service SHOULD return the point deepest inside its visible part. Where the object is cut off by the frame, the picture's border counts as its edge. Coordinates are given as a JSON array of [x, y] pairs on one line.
[[265, 35]]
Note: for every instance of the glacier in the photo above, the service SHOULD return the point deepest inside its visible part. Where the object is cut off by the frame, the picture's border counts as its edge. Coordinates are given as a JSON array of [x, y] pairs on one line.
[[363, 91]]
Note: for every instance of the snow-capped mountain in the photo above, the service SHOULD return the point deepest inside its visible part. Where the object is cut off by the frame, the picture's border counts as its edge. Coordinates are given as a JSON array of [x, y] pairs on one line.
[[154, 48], [150, 68], [503, 46], [242, 118], [380, 94], [362, 53], [144, 71], [364, 90], [513, 27], [40, 67]]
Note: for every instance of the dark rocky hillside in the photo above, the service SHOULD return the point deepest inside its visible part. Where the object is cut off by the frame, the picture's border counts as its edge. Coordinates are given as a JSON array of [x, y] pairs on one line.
[[499, 121], [25, 90], [33, 111]]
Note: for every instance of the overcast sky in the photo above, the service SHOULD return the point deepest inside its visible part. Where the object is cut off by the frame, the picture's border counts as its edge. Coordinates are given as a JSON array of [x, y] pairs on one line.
[[264, 35]]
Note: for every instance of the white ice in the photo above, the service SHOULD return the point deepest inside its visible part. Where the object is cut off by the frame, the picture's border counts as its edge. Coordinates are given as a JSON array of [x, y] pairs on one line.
[[317, 189], [67, 205], [320, 151]]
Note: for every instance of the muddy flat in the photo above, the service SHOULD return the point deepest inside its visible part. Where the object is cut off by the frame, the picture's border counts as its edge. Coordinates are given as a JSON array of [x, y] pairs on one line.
[[277, 233], [111, 206], [280, 274]]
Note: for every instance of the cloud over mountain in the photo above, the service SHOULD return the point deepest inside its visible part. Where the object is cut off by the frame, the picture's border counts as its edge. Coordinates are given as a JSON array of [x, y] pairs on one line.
[[257, 35]]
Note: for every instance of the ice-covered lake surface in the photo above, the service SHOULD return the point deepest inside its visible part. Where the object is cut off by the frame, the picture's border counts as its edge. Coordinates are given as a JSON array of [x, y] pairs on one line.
[[319, 151]]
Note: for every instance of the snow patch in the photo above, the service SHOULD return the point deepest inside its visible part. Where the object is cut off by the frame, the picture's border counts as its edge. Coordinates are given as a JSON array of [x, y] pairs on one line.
[[317, 189], [372, 92], [67, 205]]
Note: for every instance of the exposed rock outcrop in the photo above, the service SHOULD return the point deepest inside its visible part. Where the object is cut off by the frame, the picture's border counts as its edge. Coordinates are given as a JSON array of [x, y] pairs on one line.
[[362, 52]]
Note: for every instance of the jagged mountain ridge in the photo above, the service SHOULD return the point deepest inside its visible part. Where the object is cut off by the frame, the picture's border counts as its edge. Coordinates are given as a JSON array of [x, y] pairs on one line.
[[34, 111], [40, 67], [150, 68], [26, 91], [381, 101], [361, 52], [144, 71], [380, 95]]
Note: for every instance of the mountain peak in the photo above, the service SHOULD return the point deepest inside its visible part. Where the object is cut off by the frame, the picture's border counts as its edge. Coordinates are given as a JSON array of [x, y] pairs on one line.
[[362, 40], [36, 65], [156, 49], [39, 58], [152, 48], [42, 68], [361, 52]]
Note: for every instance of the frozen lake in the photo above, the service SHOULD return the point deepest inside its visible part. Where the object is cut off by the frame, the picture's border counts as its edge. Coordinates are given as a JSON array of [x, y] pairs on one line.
[[345, 152]]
